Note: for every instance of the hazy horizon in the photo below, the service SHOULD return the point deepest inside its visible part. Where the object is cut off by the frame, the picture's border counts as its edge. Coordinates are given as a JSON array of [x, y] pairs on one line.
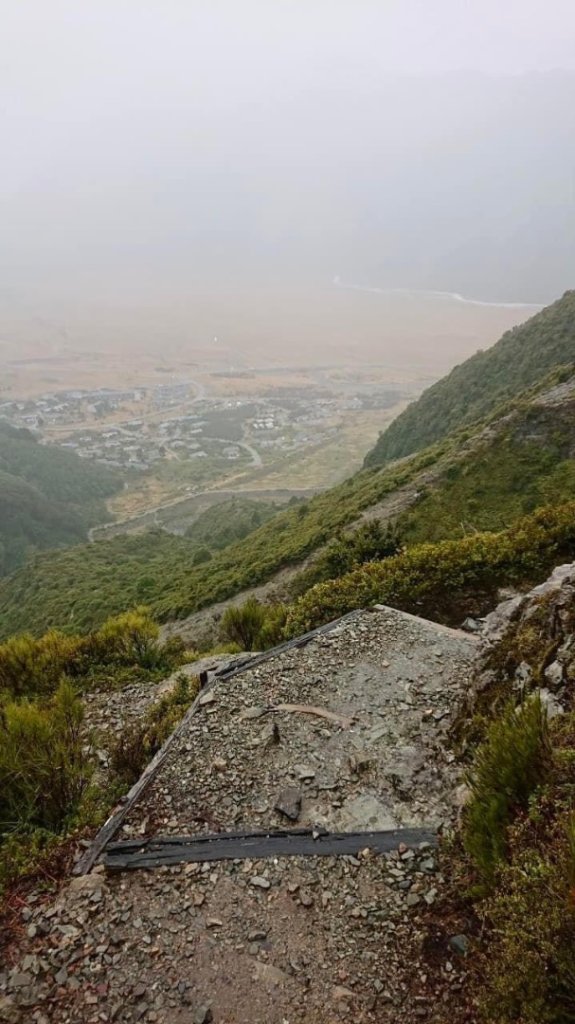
[[208, 166]]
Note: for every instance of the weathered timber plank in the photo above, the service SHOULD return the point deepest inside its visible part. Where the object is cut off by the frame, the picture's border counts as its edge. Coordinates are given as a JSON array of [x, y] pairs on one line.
[[114, 822], [171, 850]]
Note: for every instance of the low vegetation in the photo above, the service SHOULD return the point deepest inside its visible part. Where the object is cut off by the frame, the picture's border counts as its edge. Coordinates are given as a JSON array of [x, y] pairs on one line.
[[372, 541], [509, 767], [527, 465], [47, 785], [254, 626], [224, 524], [448, 580], [125, 649], [518, 827]]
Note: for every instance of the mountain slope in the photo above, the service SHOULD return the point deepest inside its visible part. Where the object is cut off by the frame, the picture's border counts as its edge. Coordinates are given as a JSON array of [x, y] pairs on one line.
[[82, 586], [522, 461], [470, 481], [521, 358], [48, 497]]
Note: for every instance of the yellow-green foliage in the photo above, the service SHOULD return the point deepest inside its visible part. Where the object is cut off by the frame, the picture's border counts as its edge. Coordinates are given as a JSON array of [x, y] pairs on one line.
[[430, 579], [43, 766], [123, 648], [36, 666], [254, 626], [509, 766], [529, 969], [526, 970]]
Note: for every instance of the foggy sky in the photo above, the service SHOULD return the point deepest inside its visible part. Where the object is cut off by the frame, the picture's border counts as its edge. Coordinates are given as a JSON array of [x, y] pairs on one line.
[[157, 151]]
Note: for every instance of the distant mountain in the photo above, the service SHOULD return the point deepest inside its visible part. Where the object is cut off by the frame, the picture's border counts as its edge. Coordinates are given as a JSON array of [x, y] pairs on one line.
[[48, 497], [472, 390]]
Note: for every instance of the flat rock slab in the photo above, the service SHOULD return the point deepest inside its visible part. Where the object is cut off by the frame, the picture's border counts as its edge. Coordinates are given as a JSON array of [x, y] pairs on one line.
[[361, 715]]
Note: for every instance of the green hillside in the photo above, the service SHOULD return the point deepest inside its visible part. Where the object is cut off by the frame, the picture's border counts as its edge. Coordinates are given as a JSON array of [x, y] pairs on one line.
[[521, 358], [527, 461], [230, 521], [79, 587], [48, 497]]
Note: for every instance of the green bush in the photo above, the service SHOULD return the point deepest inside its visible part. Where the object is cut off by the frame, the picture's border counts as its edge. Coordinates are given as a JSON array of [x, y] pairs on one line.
[[443, 580], [272, 631], [242, 625], [124, 648], [372, 541], [509, 766], [527, 966], [44, 769], [30, 666], [254, 626]]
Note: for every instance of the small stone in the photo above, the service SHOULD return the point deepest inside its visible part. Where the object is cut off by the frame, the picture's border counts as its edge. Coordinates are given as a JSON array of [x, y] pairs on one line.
[[341, 993], [257, 935], [219, 764], [459, 944], [207, 698], [203, 1015], [21, 979], [269, 974], [306, 899], [413, 899], [250, 713], [304, 772], [259, 882], [288, 803]]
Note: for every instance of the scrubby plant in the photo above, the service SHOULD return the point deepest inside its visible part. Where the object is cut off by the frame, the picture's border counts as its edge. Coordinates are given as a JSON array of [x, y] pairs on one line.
[[508, 767], [31, 666], [44, 767], [530, 972], [242, 624], [272, 631], [254, 626], [124, 648], [372, 541], [444, 580]]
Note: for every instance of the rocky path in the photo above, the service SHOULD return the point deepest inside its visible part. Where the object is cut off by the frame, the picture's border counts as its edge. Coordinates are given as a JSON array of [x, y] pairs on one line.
[[347, 733]]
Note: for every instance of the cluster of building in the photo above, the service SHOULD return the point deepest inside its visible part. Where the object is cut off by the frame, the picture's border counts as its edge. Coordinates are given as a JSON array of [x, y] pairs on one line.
[[136, 428]]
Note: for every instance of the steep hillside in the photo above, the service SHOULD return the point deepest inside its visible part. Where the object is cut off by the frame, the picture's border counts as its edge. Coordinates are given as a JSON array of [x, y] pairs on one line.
[[81, 586], [526, 460], [513, 465], [521, 358], [48, 497]]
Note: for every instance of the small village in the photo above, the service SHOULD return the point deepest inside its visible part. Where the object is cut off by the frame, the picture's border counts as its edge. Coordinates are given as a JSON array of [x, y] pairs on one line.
[[137, 428]]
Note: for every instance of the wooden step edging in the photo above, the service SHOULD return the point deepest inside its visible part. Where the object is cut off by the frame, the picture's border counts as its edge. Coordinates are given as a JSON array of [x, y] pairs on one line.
[[111, 826]]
